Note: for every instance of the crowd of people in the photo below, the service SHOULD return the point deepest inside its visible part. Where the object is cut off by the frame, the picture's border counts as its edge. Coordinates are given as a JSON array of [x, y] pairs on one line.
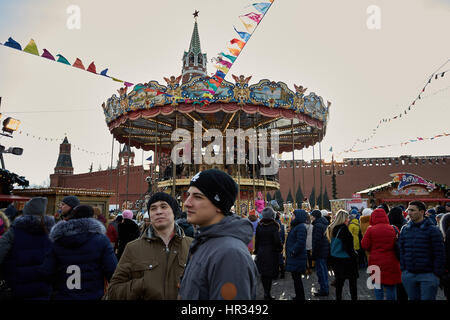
[[208, 252]]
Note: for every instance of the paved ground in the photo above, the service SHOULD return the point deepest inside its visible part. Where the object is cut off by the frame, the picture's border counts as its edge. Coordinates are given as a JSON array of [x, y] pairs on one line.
[[283, 289]]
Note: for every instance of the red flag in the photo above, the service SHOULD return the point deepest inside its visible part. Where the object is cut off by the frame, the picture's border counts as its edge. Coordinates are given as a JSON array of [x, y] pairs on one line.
[[91, 68], [240, 43], [78, 64]]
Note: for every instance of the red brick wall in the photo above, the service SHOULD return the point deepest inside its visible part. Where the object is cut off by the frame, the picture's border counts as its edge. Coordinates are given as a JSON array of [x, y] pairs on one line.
[[358, 177], [107, 180]]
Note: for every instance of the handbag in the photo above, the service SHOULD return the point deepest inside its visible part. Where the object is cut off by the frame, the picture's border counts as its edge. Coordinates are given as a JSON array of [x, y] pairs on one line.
[[396, 244]]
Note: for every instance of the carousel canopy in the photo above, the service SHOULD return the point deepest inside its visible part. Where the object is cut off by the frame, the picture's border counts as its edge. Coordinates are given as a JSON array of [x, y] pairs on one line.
[[151, 111]]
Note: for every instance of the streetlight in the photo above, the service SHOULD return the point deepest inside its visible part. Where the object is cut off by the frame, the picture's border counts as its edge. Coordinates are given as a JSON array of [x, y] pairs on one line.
[[9, 126]]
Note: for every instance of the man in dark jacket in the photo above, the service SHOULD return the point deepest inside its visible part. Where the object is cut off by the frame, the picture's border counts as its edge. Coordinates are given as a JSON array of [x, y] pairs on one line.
[[81, 259], [23, 248], [219, 264], [282, 234], [296, 255], [320, 250], [67, 205], [128, 231], [267, 249], [422, 255]]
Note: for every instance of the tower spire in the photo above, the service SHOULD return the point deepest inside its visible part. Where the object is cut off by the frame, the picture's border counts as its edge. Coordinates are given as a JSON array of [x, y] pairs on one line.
[[194, 61], [64, 163]]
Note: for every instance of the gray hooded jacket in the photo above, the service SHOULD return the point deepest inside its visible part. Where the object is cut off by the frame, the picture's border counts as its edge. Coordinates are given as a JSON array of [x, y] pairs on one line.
[[220, 265]]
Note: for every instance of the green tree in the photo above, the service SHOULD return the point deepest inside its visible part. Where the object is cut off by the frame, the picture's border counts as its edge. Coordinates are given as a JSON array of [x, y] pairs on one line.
[[289, 197], [326, 200], [279, 198], [319, 201], [312, 198], [299, 196]]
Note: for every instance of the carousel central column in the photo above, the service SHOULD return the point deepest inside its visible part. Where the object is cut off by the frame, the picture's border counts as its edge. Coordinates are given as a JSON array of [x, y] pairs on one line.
[[293, 163], [237, 161], [174, 166]]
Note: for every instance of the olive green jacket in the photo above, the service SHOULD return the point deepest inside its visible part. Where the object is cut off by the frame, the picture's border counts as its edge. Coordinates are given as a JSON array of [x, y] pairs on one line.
[[148, 270]]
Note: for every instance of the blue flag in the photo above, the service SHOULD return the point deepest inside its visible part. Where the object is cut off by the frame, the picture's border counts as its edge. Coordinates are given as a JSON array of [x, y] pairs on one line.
[[244, 35], [220, 74], [262, 6], [103, 73], [150, 158], [12, 44]]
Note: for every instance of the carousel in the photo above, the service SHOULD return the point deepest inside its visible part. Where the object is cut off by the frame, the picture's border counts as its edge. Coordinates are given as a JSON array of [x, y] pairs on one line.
[[178, 125]]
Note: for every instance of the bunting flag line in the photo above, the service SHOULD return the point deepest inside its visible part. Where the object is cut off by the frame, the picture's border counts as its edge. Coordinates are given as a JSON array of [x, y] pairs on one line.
[[214, 82], [417, 139], [435, 75], [32, 48]]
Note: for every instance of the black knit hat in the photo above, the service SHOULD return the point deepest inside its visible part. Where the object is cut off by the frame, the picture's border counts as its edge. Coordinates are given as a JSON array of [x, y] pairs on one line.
[[162, 196], [218, 186], [316, 214], [71, 201], [82, 211]]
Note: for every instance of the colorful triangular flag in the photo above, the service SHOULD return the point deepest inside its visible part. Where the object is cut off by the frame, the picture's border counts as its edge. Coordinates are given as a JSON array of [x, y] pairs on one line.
[[254, 16], [92, 68], [262, 6], [231, 58], [12, 44], [31, 48], [244, 35], [103, 73], [62, 59], [247, 26], [47, 55], [78, 64], [240, 43]]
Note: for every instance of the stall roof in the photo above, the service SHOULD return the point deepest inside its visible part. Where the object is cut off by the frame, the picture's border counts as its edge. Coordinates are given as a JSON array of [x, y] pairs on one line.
[[387, 184], [12, 198]]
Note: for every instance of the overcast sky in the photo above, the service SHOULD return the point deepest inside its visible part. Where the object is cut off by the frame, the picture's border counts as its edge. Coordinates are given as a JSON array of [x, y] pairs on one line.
[[324, 45]]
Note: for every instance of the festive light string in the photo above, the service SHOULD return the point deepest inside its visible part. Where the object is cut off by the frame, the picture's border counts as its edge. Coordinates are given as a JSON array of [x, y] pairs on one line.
[[251, 21], [434, 75], [47, 139]]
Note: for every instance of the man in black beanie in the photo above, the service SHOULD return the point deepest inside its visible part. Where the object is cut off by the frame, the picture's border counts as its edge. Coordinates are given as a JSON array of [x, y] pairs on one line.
[[220, 266], [151, 266], [67, 205]]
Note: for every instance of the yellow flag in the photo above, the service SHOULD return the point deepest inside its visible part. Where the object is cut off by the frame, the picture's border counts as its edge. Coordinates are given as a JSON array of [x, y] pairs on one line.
[[222, 68], [116, 79], [31, 48], [247, 26]]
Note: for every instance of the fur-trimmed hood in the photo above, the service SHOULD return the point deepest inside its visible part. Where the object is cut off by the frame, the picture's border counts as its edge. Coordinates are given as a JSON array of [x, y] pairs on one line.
[[75, 232], [32, 224]]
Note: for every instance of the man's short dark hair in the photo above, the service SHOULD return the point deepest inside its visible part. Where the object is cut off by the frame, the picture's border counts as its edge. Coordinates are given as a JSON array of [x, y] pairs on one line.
[[418, 204]]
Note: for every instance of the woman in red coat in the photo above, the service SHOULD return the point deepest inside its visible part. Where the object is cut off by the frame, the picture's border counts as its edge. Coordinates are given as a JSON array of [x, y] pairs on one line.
[[379, 240]]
